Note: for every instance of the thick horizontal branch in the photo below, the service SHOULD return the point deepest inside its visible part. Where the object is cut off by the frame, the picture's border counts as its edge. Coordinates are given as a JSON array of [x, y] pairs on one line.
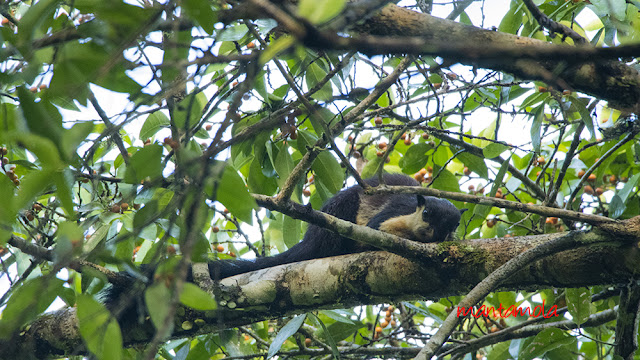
[[370, 278]]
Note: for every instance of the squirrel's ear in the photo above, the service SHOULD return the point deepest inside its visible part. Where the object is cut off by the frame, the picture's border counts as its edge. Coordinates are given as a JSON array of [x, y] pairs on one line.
[[421, 201], [462, 211]]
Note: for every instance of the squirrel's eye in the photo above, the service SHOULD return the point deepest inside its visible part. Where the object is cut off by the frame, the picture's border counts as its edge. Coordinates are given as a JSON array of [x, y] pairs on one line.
[[425, 214]]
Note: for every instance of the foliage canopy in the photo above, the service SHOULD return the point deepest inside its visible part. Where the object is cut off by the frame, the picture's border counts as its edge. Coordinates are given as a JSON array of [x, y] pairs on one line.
[[144, 132]]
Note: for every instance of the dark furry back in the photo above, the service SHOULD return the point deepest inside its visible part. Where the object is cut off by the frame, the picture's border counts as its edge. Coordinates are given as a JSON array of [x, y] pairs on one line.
[[317, 242]]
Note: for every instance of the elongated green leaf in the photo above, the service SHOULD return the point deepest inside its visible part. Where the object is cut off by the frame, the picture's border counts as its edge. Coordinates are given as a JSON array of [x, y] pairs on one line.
[[314, 74], [536, 127], [145, 163], [289, 329], [157, 300], [154, 123], [233, 194], [494, 149], [196, 298], [29, 300], [328, 171], [201, 12], [579, 304], [99, 330], [415, 158], [320, 11], [546, 340]]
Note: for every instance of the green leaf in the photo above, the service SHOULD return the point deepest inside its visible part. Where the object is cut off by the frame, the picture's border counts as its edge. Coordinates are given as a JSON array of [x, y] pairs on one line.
[[445, 180], [196, 298], [329, 338], [291, 233], [99, 330], [146, 214], [29, 300], [154, 123], [628, 188], [320, 11], [31, 21], [145, 163], [512, 20], [314, 74], [536, 127], [475, 164], [234, 33], [328, 171], [415, 158], [156, 298], [42, 117], [546, 340], [73, 137], [616, 207], [585, 115], [275, 47], [289, 329], [493, 150], [579, 304], [233, 194], [64, 183], [201, 12]]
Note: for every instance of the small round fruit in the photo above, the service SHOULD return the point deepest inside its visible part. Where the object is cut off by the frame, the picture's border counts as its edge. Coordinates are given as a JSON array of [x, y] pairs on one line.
[[491, 223], [208, 127], [220, 248], [307, 342], [471, 187], [226, 211], [251, 45], [404, 136], [37, 207], [232, 254], [306, 192], [136, 206], [466, 171], [588, 189], [356, 154], [30, 216], [592, 177], [541, 160], [115, 208], [379, 153], [378, 329], [377, 120], [171, 250], [581, 173], [382, 145], [599, 191], [419, 177], [425, 136], [215, 229], [384, 323], [542, 89], [437, 86], [124, 206], [392, 323], [613, 179], [407, 141]]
